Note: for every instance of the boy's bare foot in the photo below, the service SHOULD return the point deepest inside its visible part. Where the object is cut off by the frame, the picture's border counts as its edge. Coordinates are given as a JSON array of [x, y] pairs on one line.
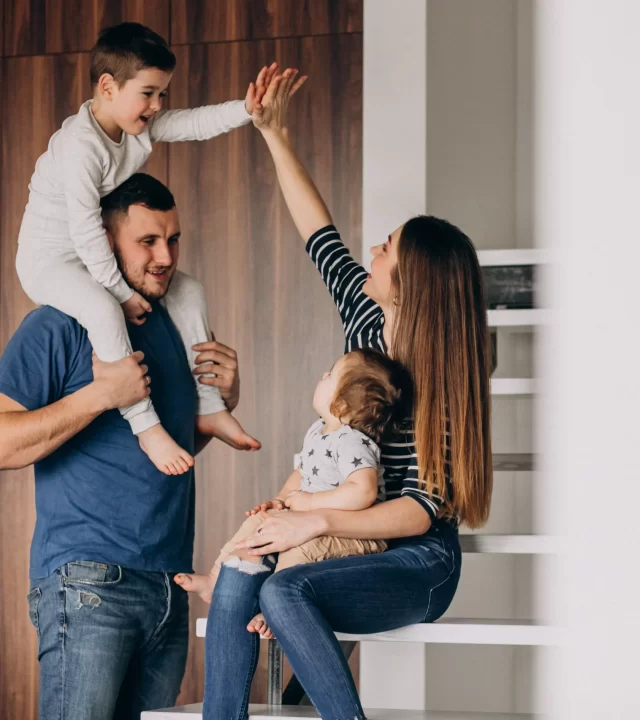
[[225, 427], [202, 585], [164, 452], [259, 625]]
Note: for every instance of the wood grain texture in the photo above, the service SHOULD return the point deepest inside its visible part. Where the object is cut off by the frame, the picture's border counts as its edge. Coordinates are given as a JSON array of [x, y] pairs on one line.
[[194, 21], [265, 297], [37, 27]]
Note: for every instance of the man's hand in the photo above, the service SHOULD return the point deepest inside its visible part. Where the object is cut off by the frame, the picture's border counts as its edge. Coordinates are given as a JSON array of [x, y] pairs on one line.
[[221, 361], [256, 90], [275, 504], [134, 307], [121, 383]]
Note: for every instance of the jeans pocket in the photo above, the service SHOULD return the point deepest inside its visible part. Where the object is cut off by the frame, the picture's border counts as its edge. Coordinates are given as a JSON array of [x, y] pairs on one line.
[[84, 572], [33, 598]]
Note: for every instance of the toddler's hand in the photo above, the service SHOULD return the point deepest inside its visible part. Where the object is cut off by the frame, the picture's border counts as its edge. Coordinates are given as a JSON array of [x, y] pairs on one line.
[[299, 501], [275, 504], [134, 307], [256, 91]]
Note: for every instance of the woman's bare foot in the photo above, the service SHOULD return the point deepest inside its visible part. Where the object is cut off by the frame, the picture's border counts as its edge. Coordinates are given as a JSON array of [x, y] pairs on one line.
[[202, 585], [259, 625], [164, 452]]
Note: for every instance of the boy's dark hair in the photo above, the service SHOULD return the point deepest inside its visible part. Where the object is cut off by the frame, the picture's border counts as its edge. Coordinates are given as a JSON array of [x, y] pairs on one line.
[[139, 189], [374, 393], [125, 49]]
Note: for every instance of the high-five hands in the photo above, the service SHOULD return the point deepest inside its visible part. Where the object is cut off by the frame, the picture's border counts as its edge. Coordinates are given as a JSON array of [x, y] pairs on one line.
[[270, 111]]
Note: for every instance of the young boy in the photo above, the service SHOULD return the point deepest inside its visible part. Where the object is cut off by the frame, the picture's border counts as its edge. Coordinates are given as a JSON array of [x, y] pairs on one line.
[[64, 255]]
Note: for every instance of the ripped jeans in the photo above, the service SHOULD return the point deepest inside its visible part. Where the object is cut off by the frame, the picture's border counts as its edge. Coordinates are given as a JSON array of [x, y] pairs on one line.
[[112, 642], [412, 582]]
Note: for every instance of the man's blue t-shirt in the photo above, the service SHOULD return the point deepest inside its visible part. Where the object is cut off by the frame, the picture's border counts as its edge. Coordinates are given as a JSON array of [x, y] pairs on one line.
[[98, 496]]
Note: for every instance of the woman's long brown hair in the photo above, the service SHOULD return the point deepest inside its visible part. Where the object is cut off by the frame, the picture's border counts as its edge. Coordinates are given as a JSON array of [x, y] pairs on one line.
[[441, 336]]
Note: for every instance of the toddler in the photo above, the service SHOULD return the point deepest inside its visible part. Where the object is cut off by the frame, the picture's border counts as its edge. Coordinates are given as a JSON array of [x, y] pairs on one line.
[[363, 396], [64, 257]]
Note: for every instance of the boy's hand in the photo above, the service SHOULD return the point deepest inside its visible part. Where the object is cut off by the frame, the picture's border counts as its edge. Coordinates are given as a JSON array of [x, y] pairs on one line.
[[275, 504], [299, 501], [256, 90], [134, 307]]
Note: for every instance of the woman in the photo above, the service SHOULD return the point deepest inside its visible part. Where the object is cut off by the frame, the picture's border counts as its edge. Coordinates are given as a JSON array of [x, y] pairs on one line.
[[423, 303]]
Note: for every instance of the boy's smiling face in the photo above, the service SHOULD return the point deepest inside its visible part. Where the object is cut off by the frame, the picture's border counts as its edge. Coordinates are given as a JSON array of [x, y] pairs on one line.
[[134, 104]]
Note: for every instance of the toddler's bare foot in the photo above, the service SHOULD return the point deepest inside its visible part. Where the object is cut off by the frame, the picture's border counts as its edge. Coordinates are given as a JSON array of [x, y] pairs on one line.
[[226, 428], [259, 625], [202, 585], [164, 452]]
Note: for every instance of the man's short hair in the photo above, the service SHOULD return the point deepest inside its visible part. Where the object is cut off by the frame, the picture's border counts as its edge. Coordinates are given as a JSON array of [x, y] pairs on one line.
[[139, 189], [125, 49]]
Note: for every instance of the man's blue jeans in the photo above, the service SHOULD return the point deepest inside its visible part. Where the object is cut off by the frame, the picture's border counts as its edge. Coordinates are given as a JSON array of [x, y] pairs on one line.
[[412, 582], [112, 642]]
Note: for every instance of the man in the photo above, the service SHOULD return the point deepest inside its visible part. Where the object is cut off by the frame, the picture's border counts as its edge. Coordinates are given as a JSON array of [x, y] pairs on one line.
[[111, 529]]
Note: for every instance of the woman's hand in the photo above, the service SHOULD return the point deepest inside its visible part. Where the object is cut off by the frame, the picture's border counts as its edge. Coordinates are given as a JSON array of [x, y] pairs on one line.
[[284, 531], [270, 113], [275, 504]]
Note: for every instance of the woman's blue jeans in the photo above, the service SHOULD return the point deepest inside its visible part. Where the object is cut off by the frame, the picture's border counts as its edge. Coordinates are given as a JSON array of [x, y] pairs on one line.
[[413, 582]]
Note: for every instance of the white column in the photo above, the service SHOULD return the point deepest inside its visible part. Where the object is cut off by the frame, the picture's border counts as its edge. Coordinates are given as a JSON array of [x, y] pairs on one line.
[[394, 116], [393, 675], [588, 201]]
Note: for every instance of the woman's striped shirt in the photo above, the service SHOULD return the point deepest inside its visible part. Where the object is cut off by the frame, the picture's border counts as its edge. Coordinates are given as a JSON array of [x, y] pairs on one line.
[[363, 321]]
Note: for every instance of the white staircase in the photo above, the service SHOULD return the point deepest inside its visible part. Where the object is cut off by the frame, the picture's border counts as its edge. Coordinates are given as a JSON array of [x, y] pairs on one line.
[[466, 631]]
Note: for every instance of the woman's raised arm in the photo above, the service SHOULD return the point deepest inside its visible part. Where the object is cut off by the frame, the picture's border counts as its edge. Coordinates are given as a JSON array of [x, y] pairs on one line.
[[305, 204]]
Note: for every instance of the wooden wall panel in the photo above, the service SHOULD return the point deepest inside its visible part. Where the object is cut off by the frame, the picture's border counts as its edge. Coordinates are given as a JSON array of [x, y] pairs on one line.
[[265, 297], [36, 27], [194, 21]]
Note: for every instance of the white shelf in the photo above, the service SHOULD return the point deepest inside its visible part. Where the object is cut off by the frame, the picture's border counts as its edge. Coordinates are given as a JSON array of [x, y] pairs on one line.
[[491, 258], [509, 544], [513, 462], [264, 712], [456, 632], [513, 386], [517, 318]]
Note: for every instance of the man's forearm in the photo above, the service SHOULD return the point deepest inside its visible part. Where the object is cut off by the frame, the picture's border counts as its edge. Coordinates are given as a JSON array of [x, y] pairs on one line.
[[27, 436]]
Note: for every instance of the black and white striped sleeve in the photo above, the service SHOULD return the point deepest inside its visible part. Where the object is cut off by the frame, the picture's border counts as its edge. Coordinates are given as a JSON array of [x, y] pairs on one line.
[[342, 275], [400, 461]]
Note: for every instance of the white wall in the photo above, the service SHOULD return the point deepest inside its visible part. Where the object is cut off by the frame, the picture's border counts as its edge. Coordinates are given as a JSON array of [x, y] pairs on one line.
[[468, 64], [479, 89]]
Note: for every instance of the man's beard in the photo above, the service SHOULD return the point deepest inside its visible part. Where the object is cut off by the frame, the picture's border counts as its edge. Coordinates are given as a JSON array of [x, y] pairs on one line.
[[138, 286]]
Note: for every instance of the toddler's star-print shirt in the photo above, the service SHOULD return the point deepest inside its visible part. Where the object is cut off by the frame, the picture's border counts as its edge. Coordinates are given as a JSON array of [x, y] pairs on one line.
[[327, 459]]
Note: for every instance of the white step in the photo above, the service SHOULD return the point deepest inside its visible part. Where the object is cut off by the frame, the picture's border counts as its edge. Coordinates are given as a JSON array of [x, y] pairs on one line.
[[513, 386], [509, 544], [513, 462], [456, 632], [264, 712], [513, 256], [517, 318]]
